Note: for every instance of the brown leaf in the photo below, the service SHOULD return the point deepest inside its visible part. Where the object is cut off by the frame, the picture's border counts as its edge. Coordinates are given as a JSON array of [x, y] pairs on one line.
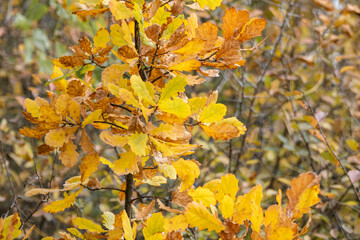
[[145, 210], [162, 206], [44, 149], [85, 44], [75, 88], [86, 143], [251, 29], [33, 133], [127, 52], [71, 61], [181, 198]]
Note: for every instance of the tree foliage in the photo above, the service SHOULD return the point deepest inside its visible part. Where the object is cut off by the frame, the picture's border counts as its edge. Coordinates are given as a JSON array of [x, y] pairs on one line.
[[120, 116]]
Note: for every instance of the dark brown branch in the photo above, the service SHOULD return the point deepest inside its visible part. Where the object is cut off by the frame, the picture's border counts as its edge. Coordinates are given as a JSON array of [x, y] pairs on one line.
[[102, 188], [110, 123], [128, 193], [121, 106]]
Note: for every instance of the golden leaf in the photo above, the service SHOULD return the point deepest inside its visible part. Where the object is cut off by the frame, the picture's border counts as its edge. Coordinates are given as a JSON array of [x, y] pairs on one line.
[[187, 171], [68, 155], [203, 196], [61, 205], [198, 216], [89, 164], [83, 223]]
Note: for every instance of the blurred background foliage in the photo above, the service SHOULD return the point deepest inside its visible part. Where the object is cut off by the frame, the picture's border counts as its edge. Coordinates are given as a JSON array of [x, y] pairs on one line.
[[305, 71]]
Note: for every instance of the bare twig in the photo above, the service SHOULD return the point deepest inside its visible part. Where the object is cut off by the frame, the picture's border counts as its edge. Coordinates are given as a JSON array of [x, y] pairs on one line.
[[331, 149]]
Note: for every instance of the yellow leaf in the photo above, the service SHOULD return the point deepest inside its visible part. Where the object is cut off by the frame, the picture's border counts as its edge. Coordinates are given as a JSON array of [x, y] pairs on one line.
[[303, 194], [91, 2], [9, 228], [106, 162], [212, 4], [68, 155], [89, 164], [137, 142], [140, 89], [57, 137], [272, 215], [196, 104], [198, 216], [187, 171], [113, 140], [178, 222], [154, 225], [83, 223], [187, 66], [281, 233], [225, 129], [61, 205], [75, 232], [119, 10], [191, 48], [125, 95], [36, 191], [212, 185], [169, 149], [101, 38], [128, 163], [176, 106], [62, 104], [228, 186], [74, 110], [33, 106], [247, 207], [155, 181], [109, 220], [213, 113], [161, 16], [226, 207], [92, 117], [203, 196], [128, 234], [172, 27], [173, 87], [168, 170]]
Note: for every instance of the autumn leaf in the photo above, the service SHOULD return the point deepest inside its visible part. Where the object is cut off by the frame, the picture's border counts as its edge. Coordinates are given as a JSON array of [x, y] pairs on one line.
[[128, 234], [173, 87], [154, 226], [89, 164], [137, 142], [198, 216], [303, 194], [68, 154], [212, 113], [203, 196], [175, 106], [187, 171], [128, 163], [92, 117], [61, 205], [83, 223], [101, 38], [119, 10]]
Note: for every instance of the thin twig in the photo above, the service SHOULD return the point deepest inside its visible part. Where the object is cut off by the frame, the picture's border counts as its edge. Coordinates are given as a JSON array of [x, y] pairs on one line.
[[331, 149]]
